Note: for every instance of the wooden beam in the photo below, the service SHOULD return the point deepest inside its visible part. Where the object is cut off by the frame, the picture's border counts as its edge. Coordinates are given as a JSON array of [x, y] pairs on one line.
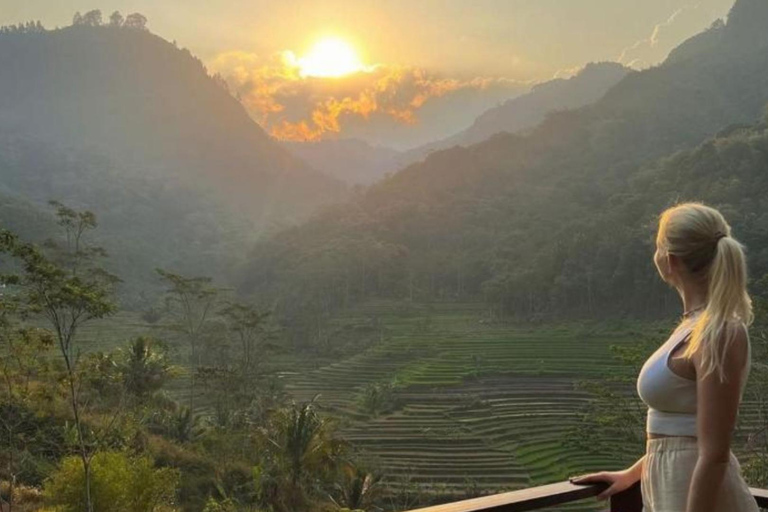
[[536, 498], [525, 499], [761, 496]]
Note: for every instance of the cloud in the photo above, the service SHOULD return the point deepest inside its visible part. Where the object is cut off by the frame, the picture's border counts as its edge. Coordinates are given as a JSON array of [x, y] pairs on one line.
[[567, 72], [295, 107], [680, 25]]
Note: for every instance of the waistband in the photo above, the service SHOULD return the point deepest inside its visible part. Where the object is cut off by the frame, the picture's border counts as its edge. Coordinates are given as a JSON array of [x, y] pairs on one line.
[[671, 423], [667, 444]]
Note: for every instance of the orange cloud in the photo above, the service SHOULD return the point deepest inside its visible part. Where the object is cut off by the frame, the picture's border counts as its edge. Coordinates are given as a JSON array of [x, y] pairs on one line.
[[292, 107]]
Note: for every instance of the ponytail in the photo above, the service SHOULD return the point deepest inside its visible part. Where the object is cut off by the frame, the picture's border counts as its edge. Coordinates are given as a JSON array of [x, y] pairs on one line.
[[700, 237], [728, 306]]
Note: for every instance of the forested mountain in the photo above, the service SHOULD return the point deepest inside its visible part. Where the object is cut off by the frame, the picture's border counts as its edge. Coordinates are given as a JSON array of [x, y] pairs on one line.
[[145, 221], [351, 160], [118, 120], [558, 220], [530, 109]]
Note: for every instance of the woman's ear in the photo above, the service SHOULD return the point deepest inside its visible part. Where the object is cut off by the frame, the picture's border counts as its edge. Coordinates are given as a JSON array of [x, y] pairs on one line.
[[674, 263]]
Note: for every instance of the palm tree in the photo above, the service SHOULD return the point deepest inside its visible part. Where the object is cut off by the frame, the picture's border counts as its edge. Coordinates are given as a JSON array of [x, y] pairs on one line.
[[302, 459], [358, 488], [145, 368]]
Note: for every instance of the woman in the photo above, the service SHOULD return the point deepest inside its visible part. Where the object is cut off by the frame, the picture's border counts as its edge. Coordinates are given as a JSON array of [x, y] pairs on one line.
[[694, 382]]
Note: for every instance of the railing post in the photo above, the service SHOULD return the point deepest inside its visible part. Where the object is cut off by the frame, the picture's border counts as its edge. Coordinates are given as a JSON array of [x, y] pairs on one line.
[[630, 500]]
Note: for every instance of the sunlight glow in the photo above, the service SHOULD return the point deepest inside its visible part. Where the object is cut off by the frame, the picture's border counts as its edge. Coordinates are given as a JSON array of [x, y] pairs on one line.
[[329, 58]]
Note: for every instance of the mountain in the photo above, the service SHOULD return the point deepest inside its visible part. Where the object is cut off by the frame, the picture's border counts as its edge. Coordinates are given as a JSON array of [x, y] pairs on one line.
[[357, 162], [139, 100], [530, 109], [353, 161], [541, 223], [122, 122]]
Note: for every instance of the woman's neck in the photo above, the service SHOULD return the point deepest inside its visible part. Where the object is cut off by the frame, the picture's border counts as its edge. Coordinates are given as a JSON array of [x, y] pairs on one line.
[[694, 297]]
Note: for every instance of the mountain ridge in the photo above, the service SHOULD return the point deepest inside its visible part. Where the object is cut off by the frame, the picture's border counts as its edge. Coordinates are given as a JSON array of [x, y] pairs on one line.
[[520, 220], [359, 162], [125, 124], [528, 110], [116, 90]]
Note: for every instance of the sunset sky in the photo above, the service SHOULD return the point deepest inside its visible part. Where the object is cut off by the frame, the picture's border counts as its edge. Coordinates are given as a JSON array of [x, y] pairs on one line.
[[431, 65]]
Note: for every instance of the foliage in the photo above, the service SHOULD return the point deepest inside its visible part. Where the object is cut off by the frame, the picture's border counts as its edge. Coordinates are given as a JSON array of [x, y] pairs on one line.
[[68, 290], [120, 483], [145, 367], [357, 488], [301, 461], [135, 21], [179, 424], [28, 440], [30, 27], [755, 469], [378, 397], [190, 302], [246, 324]]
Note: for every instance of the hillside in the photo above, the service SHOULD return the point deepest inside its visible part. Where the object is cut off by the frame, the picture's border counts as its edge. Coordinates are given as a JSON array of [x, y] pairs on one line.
[[124, 123], [530, 109], [353, 161], [533, 224]]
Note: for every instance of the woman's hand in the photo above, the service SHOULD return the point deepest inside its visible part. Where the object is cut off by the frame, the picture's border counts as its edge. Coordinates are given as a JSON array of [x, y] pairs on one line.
[[618, 480]]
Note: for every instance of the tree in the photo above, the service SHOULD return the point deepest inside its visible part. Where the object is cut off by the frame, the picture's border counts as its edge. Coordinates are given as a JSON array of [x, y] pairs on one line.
[[136, 21], [378, 397], [67, 291], [116, 19], [356, 489], [91, 18], [190, 302], [121, 483], [302, 459], [245, 323], [144, 367], [23, 360], [181, 424]]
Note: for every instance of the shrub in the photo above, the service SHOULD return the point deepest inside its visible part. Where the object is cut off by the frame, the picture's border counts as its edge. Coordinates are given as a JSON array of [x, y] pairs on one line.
[[119, 483]]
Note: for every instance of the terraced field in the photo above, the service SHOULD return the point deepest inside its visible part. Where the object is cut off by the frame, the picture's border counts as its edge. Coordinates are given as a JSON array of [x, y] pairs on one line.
[[479, 406]]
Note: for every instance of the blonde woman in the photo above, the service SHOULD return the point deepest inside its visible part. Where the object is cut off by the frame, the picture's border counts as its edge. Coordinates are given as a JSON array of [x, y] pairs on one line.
[[694, 382]]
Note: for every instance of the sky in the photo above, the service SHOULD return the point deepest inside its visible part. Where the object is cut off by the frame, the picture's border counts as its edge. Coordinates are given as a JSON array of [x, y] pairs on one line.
[[431, 66]]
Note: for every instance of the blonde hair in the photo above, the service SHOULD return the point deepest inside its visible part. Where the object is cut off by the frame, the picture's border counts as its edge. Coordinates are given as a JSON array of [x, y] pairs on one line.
[[700, 237]]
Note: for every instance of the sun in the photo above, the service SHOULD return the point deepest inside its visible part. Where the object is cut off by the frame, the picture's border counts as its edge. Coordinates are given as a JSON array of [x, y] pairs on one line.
[[330, 58]]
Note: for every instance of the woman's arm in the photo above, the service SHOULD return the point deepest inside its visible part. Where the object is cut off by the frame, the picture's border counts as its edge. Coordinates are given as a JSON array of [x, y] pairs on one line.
[[717, 408], [618, 480]]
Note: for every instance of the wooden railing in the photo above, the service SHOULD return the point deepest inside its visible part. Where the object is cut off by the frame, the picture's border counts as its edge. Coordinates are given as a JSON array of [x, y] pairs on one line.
[[545, 496]]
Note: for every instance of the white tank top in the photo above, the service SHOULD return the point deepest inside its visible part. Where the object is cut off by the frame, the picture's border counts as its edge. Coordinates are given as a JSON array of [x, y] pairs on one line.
[[671, 398]]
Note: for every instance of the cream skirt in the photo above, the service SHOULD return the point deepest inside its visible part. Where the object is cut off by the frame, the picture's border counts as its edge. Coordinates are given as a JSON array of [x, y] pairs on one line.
[[667, 473]]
